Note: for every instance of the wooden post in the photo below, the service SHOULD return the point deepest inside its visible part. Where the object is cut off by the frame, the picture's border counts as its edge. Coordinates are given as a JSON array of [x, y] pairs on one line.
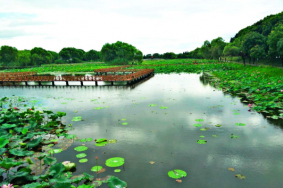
[[67, 83], [53, 83], [82, 84], [39, 83], [26, 83], [112, 83], [96, 83]]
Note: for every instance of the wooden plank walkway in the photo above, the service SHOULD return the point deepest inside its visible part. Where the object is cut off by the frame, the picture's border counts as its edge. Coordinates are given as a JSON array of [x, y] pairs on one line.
[[26, 77]]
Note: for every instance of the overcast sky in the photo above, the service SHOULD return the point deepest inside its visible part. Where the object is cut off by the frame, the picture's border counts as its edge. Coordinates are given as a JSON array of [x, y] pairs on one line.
[[152, 26]]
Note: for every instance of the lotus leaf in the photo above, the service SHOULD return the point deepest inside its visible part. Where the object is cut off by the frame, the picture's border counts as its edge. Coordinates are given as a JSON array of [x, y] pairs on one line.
[[20, 152], [123, 119], [202, 136], [2, 150], [8, 126], [197, 125], [101, 144], [55, 151], [3, 142], [83, 160], [33, 143], [117, 170], [98, 108], [86, 140], [215, 136], [201, 141], [78, 180], [81, 155], [125, 123], [49, 160], [240, 124], [96, 168], [24, 131], [112, 141], [114, 182], [88, 176], [7, 163], [199, 120], [56, 170], [240, 176], [81, 148], [203, 129], [101, 140], [234, 136], [176, 174], [218, 125], [163, 107], [115, 162], [152, 105], [36, 185], [78, 118], [69, 166]]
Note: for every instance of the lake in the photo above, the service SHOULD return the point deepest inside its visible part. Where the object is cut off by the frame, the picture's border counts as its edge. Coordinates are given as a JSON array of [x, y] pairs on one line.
[[157, 140]]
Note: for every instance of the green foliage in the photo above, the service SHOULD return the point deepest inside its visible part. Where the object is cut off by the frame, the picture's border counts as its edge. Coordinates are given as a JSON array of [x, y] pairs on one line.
[[251, 40], [71, 53], [92, 55], [169, 55], [275, 41], [40, 56], [120, 53], [8, 54]]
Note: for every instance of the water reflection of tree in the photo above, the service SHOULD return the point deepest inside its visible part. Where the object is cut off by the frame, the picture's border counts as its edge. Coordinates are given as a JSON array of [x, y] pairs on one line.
[[204, 79]]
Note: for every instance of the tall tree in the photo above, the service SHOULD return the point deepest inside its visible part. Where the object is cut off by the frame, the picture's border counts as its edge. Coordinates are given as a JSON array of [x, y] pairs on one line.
[[8, 54], [275, 42]]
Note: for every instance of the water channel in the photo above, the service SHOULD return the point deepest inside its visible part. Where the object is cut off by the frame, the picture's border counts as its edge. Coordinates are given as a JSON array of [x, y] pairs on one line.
[[167, 137]]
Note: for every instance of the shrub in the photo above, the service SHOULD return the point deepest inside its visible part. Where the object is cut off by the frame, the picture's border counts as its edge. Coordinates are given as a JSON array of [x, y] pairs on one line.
[[76, 60]]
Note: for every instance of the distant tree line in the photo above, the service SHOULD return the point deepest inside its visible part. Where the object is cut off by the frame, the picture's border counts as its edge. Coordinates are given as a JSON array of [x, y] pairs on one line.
[[263, 39], [116, 53]]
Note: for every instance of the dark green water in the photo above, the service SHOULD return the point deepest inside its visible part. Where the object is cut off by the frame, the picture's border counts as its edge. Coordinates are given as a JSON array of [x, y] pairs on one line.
[[167, 136]]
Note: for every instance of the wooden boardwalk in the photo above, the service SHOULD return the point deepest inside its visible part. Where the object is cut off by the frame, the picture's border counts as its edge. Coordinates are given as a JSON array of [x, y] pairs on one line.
[[135, 75]]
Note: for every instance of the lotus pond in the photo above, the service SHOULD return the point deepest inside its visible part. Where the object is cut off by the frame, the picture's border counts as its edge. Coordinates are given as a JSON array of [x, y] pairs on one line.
[[173, 130]]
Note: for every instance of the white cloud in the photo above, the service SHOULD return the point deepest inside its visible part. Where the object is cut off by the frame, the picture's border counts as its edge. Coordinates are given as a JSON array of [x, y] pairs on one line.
[[150, 25]]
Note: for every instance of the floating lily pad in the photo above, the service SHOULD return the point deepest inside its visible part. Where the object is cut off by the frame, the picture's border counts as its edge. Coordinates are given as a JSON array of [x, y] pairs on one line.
[[101, 144], [197, 125], [239, 176], [163, 107], [83, 160], [96, 168], [114, 182], [55, 151], [199, 120], [236, 113], [86, 140], [117, 170], [201, 141], [234, 136], [123, 119], [81, 148], [101, 140], [202, 136], [218, 125], [112, 141], [81, 155], [176, 174], [215, 136], [274, 117], [3, 142], [240, 124], [98, 108], [152, 105], [115, 162], [125, 123], [203, 129], [77, 118], [20, 152]]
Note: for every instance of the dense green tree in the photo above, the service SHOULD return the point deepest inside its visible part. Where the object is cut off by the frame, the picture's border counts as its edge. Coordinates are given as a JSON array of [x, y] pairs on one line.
[[120, 53], [70, 53], [54, 56], [251, 40], [92, 55], [148, 56], [257, 52], [8, 54], [275, 42], [217, 46], [205, 50], [156, 55], [24, 58], [40, 56], [169, 55]]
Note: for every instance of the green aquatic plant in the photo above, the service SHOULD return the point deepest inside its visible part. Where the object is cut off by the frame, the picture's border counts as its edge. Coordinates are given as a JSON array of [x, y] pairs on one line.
[[83, 160], [240, 124], [81, 155], [80, 148], [114, 182], [199, 120], [115, 162], [176, 174], [77, 118], [201, 141], [197, 125]]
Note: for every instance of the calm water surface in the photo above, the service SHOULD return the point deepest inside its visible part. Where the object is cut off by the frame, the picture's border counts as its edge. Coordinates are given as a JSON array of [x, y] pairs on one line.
[[167, 136]]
